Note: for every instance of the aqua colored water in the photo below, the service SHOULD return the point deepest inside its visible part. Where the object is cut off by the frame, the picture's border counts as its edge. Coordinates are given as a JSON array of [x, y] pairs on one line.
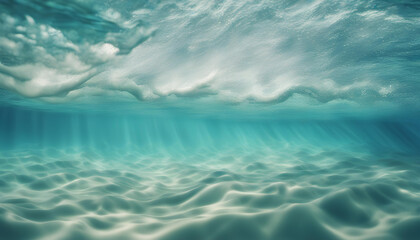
[[209, 120]]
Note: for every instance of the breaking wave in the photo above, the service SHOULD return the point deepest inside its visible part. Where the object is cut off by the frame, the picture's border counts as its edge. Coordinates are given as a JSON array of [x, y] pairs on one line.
[[219, 119], [216, 51]]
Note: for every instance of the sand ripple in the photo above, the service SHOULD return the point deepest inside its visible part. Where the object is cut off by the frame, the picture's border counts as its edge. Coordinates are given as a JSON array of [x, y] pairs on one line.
[[330, 195]]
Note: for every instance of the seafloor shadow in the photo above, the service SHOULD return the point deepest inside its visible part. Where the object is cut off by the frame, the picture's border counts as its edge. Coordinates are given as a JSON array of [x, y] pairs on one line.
[[329, 195]]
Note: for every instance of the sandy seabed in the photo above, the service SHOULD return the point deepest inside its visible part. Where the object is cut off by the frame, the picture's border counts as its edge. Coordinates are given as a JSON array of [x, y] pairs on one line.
[[264, 194]]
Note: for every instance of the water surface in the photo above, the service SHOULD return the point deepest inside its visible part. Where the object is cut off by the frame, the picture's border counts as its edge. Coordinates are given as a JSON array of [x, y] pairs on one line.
[[209, 119]]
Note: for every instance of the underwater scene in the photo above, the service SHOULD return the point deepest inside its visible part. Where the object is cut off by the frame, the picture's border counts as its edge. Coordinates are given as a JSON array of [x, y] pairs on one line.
[[209, 119]]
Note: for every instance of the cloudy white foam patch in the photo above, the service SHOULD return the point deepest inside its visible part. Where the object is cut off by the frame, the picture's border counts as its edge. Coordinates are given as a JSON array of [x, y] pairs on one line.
[[51, 50], [219, 50]]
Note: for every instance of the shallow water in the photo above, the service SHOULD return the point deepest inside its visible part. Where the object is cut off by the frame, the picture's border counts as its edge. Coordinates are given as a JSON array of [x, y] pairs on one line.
[[326, 195], [87, 176], [222, 119]]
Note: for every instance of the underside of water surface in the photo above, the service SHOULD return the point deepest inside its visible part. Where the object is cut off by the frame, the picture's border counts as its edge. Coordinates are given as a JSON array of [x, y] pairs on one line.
[[190, 120]]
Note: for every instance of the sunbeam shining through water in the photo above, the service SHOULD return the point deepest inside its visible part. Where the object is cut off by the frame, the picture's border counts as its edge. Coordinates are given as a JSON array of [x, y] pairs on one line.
[[218, 119]]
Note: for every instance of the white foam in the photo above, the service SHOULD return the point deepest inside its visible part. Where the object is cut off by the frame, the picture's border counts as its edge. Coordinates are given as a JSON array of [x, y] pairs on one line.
[[254, 52]]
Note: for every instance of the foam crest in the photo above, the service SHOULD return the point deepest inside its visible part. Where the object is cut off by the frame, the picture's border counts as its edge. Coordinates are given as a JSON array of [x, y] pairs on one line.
[[219, 51], [51, 48]]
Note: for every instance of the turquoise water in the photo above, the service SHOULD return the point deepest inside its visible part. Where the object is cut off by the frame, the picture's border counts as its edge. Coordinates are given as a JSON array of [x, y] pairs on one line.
[[84, 175], [209, 120]]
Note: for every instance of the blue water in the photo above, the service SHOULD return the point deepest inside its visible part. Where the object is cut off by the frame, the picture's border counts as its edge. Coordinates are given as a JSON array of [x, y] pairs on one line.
[[209, 119]]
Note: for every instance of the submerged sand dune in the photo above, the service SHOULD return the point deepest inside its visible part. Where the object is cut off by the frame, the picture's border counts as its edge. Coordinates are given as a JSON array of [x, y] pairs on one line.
[[299, 195], [209, 120]]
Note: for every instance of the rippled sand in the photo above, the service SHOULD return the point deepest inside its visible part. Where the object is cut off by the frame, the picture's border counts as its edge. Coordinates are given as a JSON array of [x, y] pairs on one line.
[[260, 195]]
